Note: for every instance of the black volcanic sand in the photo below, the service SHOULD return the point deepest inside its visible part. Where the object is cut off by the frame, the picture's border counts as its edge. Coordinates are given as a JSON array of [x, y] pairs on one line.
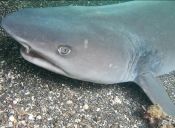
[[33, 97]]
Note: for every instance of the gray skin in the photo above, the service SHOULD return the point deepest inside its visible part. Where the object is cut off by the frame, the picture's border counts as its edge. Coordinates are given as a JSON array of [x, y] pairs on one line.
[[126, 42]]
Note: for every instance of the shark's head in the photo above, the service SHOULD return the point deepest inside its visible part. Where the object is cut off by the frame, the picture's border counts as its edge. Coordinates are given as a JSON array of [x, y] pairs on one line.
[[69, 43]]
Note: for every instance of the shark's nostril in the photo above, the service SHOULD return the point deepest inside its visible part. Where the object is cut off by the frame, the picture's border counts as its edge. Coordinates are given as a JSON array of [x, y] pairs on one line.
[[64, 49]]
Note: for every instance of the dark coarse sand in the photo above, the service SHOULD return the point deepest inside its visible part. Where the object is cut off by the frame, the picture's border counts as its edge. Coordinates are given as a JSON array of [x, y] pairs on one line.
[[31, 97]]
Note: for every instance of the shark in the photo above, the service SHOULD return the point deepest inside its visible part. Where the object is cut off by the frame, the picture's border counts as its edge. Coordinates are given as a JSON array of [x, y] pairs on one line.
[[127, 42]]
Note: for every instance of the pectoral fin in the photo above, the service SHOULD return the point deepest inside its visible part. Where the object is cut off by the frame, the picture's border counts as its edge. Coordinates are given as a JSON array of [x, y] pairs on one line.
[[156, 92]]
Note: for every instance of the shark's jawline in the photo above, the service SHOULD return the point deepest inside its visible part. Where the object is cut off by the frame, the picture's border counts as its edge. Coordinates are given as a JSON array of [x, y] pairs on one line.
[[36, 59]]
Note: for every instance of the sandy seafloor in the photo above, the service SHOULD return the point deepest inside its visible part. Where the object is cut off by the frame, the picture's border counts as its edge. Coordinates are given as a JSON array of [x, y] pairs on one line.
[[33, 97]]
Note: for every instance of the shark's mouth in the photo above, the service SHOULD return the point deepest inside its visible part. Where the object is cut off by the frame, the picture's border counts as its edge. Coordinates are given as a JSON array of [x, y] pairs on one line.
[[34, 57], [39, 60]]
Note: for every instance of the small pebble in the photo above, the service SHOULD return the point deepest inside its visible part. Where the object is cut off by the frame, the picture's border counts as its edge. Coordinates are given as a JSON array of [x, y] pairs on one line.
[[2, 62], [10, 124], [22, 122], [75, 126], [12, 118], [98, 109], [69, 124], [117, 100], [39, 117], [1, 87], [33, 97], [27, 93], [31, 117], [15, 101], [69, 102], [85, 107], [50, 118], [36, 126], [77, 120]]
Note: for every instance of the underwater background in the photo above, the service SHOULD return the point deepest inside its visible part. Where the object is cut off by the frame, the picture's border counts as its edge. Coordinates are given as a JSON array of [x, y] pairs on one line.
[[36, 98]]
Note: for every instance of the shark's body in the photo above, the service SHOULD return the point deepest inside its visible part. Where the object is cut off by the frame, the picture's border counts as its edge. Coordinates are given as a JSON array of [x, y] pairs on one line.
[[132, 41]]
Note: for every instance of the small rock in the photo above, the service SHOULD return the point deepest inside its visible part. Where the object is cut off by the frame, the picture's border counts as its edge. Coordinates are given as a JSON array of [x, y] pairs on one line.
[[12, 118], [98, 109], [33, 98], [75, 126], [31, 117], [69, 124], [50, 118], [116, 100], [1, 80], [2, 62], [16, 101], [10, 124], [39, 117], [22, 122], [69, 102], [77, 120], [156, 112], [156, 115], [36, 126], [1, 87], [85, 107], [27, 92]]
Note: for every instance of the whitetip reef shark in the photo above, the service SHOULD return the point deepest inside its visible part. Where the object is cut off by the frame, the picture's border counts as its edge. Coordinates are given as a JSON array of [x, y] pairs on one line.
[[126, 42]]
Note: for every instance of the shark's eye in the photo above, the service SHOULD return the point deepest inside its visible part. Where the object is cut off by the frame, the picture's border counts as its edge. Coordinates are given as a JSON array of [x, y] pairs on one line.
[[64, 49]]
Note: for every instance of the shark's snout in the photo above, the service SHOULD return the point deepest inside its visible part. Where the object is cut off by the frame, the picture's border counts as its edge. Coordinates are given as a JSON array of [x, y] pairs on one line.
[[10, 24], [39, 42], [10, 21]]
